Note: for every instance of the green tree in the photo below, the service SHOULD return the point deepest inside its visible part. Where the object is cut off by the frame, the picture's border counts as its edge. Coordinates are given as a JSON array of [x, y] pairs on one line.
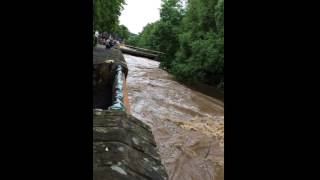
[[132, 40], [122, 31], [200, 57], [146, 36], [192, 37], [163, 34], [106, 14]]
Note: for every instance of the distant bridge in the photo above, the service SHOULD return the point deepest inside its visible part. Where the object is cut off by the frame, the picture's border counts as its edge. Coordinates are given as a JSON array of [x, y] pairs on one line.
[[136, 51]]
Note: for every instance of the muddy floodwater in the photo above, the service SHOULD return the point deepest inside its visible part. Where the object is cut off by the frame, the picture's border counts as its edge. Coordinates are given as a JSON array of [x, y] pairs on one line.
[[188, 126]]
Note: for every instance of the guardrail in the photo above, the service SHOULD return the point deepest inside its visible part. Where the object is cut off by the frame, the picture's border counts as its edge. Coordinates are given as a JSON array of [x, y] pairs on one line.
[[145, 50]]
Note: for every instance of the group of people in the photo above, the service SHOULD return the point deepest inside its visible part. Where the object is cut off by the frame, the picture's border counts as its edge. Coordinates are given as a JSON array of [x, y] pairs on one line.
[[106, 39]]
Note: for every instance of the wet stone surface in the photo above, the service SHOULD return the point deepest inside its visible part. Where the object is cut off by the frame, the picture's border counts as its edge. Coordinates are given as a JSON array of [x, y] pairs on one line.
[[105, 63], [124, 148]]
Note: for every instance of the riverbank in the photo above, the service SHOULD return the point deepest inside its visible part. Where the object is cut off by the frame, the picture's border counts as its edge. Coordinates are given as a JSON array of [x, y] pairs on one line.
[[207, 90]]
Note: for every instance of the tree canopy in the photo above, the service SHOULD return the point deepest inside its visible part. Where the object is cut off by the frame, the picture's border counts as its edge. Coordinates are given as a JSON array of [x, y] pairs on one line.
[[106, 14], [191, 33]]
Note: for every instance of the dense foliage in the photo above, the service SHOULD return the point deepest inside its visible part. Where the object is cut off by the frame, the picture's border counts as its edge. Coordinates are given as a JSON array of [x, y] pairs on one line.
[[106, 18], [106, 14], [132, 39], [122, 31], [192, 36]]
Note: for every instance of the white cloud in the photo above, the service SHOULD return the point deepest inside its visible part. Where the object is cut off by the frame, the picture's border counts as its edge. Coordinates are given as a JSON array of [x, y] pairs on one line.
[[138, 13]]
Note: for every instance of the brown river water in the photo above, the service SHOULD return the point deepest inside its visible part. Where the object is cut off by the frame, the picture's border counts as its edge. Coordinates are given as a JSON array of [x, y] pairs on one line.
[[188, 126]]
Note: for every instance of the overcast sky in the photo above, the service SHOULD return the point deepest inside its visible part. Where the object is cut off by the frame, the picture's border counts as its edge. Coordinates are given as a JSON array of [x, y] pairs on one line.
[[138, 13]]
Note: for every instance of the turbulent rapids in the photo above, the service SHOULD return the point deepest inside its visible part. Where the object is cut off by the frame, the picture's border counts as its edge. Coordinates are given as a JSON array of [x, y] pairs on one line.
[[187, 125]]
